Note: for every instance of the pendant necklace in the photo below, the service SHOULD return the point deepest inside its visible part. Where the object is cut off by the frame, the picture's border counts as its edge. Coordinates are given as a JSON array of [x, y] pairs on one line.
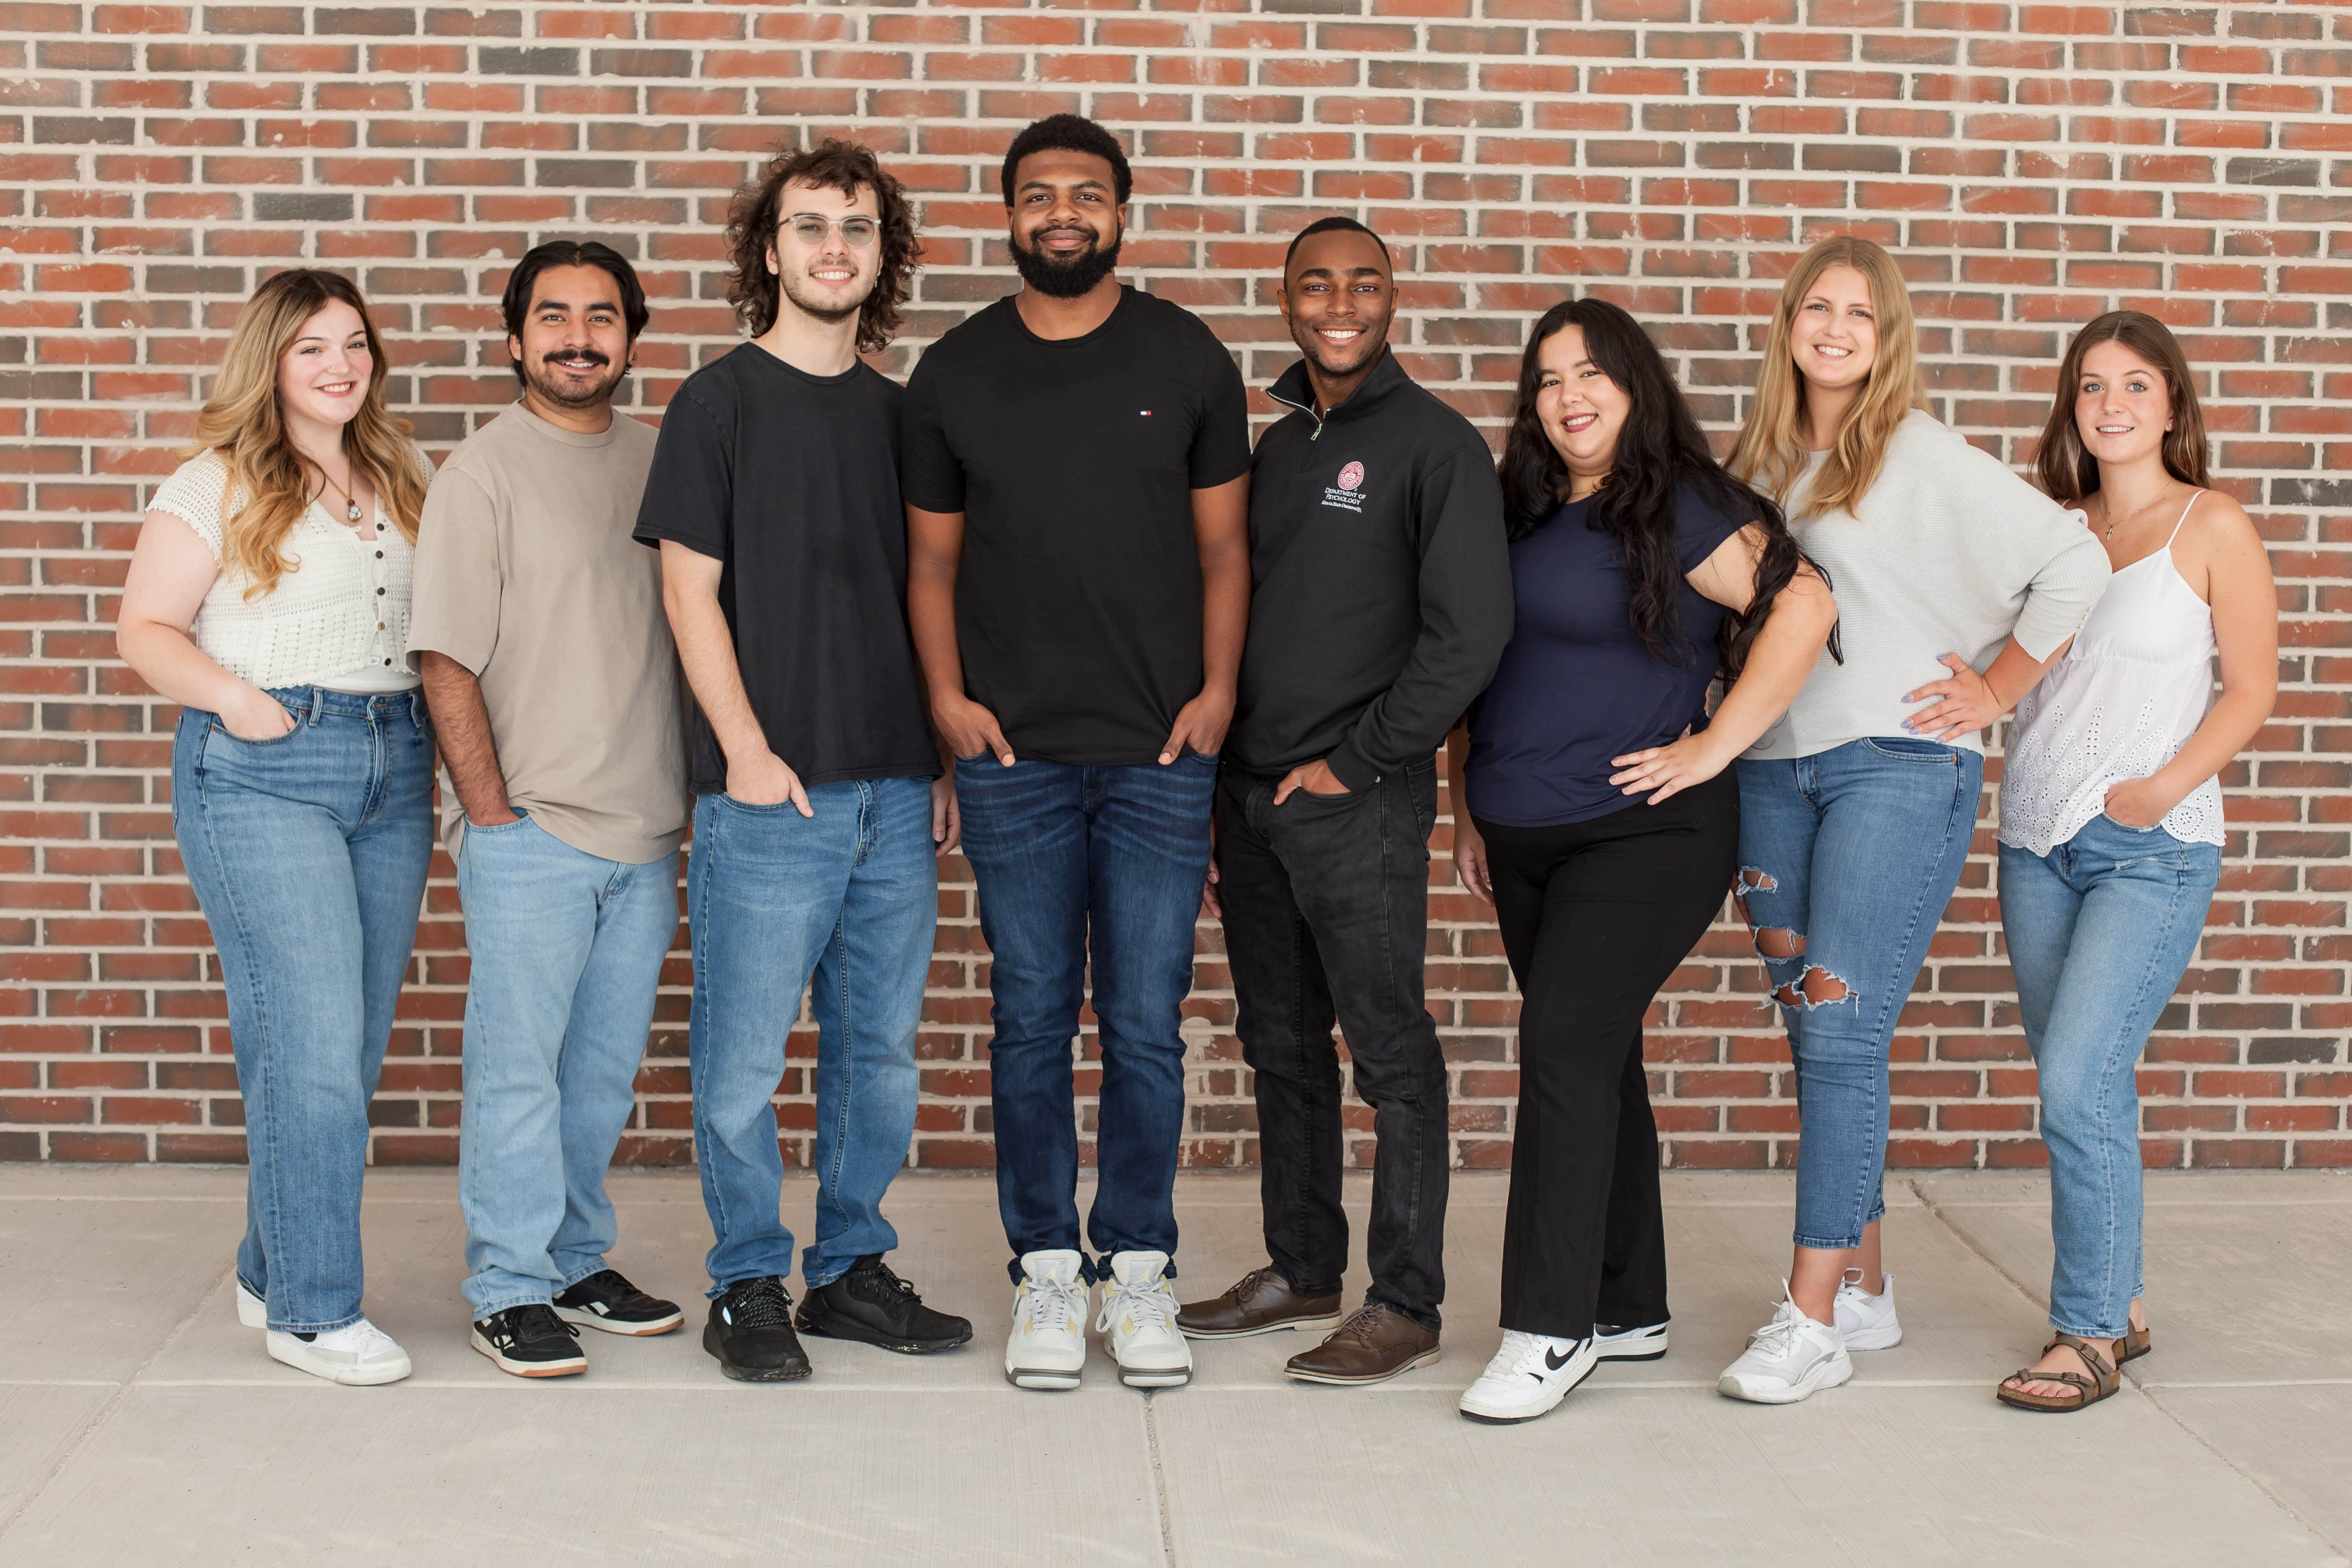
[[350, 505]]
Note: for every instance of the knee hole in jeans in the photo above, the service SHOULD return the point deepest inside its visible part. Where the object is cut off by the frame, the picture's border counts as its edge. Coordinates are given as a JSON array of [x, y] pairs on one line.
[[1818, 988]]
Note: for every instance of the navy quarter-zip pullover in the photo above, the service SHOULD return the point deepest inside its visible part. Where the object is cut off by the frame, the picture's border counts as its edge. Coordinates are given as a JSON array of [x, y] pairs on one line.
[[1381, 581]]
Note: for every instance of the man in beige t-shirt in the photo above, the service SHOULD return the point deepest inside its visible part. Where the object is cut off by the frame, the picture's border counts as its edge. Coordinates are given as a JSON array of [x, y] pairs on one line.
[[548, 664]]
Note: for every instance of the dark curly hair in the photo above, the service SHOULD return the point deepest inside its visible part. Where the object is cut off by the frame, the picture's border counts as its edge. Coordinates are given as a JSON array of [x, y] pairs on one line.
[[1660, 451], [751, 222]]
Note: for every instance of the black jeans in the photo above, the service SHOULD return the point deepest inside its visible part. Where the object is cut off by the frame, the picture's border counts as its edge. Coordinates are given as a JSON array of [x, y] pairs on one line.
[[1327, 916], [1595, 916]]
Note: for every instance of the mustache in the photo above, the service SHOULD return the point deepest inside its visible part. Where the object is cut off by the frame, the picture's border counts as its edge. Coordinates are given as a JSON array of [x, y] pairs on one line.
[[593, 358]]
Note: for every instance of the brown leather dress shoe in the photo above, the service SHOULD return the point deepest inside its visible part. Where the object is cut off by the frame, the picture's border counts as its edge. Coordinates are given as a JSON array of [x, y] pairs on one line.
[[1373, 1345], [1260, 1302]]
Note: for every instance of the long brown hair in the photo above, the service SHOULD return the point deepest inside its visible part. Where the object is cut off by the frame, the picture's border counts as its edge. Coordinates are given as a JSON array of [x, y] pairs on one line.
[[832, 164], [1769, 453], [242, 421], [2070, 474]]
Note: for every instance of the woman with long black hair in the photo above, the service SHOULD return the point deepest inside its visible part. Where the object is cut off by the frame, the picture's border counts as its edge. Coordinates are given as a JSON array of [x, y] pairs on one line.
[[1601, 823]]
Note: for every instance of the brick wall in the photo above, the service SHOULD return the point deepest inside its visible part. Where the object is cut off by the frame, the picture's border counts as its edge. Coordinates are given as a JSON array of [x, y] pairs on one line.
[[2031, 164]]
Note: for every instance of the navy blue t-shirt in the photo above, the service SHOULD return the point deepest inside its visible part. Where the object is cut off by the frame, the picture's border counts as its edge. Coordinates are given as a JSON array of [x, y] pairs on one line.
[[1576, 686]]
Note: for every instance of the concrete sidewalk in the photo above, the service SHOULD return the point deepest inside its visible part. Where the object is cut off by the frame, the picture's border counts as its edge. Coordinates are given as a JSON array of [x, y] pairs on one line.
[[138, 1423]]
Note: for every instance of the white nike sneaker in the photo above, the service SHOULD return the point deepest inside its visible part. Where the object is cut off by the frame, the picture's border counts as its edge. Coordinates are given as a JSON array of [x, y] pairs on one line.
[[1529, 1374], [1139, 1317], [359, 1354], [251, 1310], [1788, 1359], [1867, 1322], [1612, 1343], [1047, 1347]]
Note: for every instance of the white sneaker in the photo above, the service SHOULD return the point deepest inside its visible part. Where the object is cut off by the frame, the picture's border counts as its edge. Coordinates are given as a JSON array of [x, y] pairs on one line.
[[1529, 1374], [1047, 1347], [1612, 1344], [1787, 1359], [251, 1310], [1867, 1322], [358, 1352], [1139, 1317]]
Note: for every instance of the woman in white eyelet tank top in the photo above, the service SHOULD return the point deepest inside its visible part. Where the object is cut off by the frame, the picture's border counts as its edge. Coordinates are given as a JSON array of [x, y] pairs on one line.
[[2111, 829]]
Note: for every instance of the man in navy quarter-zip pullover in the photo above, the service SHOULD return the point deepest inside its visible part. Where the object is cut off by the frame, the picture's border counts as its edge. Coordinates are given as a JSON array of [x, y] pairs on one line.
[[1380, 601]]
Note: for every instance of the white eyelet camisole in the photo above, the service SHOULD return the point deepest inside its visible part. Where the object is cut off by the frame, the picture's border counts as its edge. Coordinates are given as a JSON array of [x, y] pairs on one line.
[[2120, 705]]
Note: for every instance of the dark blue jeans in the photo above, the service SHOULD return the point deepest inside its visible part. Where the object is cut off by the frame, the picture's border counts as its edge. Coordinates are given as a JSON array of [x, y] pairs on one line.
[[1070, 861]]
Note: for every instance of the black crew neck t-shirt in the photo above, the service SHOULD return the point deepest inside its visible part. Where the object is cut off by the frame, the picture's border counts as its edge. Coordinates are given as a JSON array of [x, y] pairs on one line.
[[1074, 461], [792, 481], [1576, 686]]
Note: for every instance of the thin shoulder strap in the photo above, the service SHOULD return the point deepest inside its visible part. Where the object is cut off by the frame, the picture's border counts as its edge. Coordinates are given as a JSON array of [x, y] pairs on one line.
[[2184, 518]]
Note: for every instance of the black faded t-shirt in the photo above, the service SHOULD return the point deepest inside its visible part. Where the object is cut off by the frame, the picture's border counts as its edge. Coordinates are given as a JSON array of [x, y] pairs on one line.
[[1576, 686], [1078, 599], [792, 480]]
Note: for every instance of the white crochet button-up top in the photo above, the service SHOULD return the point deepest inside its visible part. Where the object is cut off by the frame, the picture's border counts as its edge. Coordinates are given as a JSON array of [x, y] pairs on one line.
[[338, 615]]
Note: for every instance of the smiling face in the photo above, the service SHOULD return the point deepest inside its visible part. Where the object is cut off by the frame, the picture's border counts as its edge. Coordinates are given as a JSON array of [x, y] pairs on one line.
[[323, 375], [574, 347], [1338, 297], [1582, 409], [2123, 405], [1065, 221], [1834, 334], [827, 274]]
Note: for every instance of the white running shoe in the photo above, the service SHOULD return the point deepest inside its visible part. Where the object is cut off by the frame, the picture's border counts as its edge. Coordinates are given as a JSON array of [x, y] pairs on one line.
[[1788, 1359], [1139, 1317], [1612, 1343], [251, 1310], [1867, 1322], [1047, 1347], [1529, 1374], [359, 1354]]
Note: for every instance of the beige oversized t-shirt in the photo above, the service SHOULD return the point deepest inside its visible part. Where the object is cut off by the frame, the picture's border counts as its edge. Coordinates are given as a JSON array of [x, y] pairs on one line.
[[527, 575]]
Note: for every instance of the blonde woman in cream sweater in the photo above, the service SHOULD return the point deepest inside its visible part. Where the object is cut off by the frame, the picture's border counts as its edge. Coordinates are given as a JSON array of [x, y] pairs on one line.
[[1958, 583]]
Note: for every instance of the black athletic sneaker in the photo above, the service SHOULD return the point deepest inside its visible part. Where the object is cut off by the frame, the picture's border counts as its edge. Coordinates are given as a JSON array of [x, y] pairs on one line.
[[873, 1304], [606, 1300], [750, 1332], [531, 1341]]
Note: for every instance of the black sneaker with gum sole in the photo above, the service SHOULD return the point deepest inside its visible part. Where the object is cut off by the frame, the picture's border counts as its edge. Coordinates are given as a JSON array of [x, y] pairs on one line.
[[529, 1340]]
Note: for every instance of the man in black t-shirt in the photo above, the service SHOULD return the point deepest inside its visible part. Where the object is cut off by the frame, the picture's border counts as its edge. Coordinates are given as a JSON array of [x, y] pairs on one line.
[[1076, 469], [819, 806]]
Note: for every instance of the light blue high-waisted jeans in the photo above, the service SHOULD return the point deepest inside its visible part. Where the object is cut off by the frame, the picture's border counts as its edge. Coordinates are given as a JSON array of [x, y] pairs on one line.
[[2099, 931], [1850, 855], [308, 852]]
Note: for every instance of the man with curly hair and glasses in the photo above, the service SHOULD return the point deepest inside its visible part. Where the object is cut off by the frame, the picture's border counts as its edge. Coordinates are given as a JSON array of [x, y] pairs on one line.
[[820, 801]]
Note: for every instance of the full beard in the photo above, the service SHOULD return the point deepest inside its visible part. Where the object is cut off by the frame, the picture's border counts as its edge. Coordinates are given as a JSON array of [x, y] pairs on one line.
[[1070, 278]]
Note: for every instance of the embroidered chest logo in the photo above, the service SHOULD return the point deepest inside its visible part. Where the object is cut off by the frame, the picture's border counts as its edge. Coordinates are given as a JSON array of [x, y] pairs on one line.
[[1347, 493]]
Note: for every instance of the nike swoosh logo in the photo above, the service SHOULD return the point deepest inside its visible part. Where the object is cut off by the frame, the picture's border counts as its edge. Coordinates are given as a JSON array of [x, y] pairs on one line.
[[1555, 1360]]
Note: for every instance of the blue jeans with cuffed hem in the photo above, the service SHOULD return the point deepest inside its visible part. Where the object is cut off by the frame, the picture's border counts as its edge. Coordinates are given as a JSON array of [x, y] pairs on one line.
[[308, 853], [1071, 862], [840, 905], [2099, 932], [566, 948], [1851, 853]]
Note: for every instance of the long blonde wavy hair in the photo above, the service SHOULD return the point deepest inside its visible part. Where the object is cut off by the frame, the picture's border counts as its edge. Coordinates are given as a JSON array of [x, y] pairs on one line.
[[1770, 454], [243, 423]]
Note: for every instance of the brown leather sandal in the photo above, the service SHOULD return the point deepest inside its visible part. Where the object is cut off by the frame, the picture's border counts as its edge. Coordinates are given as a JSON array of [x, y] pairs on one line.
[[2103, 1382], [2136, 1344]]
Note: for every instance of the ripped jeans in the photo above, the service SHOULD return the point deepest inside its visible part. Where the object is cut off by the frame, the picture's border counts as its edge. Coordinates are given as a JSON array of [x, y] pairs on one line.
[[1846, 861]]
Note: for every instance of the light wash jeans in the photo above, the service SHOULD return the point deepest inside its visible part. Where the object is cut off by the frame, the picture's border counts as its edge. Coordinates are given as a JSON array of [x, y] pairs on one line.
[[850, 896], [1087, 869], [566, 948], [308, 853], [2099, 932], [1853, 851]]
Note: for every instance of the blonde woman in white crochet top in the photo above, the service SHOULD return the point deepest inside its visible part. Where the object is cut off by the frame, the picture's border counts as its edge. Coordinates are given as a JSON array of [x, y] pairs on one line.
[[2111, 829], [268, 597]]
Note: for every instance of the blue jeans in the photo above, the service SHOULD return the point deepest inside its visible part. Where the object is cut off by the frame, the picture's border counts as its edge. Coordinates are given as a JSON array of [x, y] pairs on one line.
[[566, 949], [308, 853], [1069, 860], [850, 896], [1846, 861], [2099, 932]]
